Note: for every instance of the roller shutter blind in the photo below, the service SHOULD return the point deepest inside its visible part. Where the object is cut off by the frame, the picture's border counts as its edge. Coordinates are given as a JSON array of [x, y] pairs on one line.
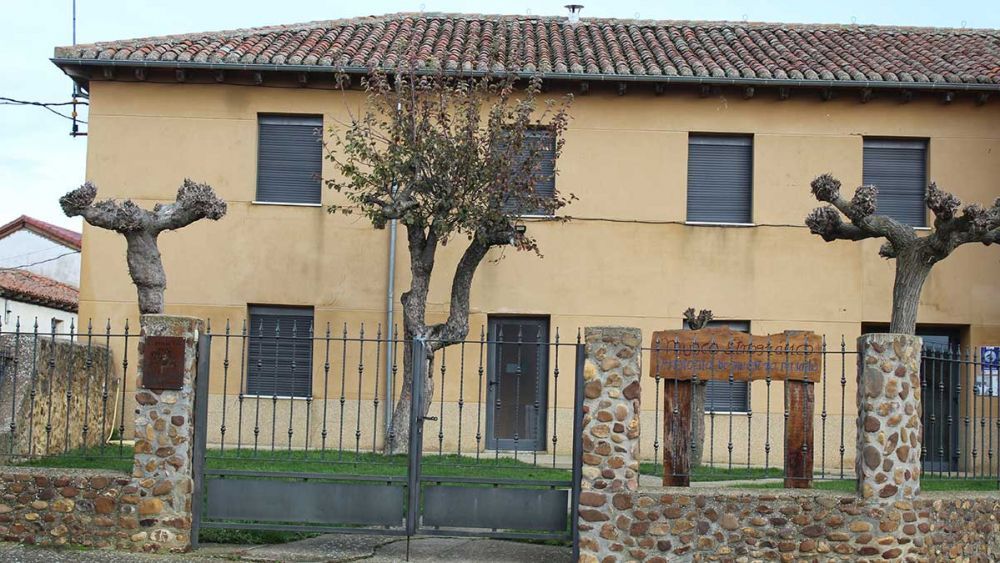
[[898, 168], [720, 179], [279, 352], [543, 141], [717, 393], [289, 158]]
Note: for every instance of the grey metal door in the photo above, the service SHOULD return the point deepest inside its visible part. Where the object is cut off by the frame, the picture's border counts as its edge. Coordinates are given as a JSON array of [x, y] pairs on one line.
[[517, 377], [940, 381]]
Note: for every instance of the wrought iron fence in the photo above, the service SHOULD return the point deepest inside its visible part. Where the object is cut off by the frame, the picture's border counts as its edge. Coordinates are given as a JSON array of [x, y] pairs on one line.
[[337, 407], [61, 397], [961, 414]]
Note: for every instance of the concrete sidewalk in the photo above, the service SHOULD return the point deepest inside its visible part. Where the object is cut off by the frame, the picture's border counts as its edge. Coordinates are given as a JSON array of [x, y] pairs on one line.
[[321, 549]]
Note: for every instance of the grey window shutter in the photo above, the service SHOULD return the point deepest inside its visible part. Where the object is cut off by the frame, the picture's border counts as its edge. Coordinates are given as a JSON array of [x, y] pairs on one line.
[[718, 399], [544, 142], [289, 158], [720, 179], [898, 168], [279, 352]]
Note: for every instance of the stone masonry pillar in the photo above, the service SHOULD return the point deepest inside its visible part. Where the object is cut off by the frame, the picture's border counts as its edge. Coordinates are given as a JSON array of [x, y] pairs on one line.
[[889, 424], [164, 431], [610, 444]]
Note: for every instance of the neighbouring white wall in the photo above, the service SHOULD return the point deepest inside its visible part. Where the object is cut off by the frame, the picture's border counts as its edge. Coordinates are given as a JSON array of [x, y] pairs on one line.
[[59, 262], [28, 312]]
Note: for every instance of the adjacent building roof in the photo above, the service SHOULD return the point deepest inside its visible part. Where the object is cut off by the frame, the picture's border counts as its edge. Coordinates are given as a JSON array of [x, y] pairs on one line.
[[28, 287], [66, 237], [707, 52]]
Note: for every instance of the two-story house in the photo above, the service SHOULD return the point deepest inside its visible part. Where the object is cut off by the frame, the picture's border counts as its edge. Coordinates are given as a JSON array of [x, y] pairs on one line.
[[690, 150]]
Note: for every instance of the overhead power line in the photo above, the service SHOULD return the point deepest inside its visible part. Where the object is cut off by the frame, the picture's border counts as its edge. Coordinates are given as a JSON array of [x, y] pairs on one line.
[[44, 105]]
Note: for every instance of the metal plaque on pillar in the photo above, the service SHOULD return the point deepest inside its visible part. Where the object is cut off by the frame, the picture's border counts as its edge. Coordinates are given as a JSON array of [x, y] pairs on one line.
[[163, 362]]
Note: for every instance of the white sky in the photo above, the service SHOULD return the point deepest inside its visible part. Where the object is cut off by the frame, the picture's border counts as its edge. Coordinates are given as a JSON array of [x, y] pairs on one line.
[[39, 161]]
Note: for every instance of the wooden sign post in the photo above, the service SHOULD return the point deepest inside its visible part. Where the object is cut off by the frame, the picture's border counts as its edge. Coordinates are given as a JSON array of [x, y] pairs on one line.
[[683, 357]]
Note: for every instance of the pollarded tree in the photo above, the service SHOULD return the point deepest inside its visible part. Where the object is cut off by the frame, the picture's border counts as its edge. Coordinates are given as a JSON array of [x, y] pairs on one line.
[[915, 255], [698, 392], [141, 227], [450, 158]]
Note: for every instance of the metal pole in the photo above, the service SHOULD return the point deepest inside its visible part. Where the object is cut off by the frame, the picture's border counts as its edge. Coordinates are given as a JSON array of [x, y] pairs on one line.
[[419, 362], [200, 423], [581, 359]]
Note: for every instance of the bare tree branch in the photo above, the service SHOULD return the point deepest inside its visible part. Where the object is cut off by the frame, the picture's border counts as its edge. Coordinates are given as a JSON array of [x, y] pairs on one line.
[[141, 228], [914, 255], [699, 321]]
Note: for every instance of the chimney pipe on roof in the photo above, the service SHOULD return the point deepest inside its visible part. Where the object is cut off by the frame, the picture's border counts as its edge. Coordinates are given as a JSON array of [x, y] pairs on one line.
[[574, 12]]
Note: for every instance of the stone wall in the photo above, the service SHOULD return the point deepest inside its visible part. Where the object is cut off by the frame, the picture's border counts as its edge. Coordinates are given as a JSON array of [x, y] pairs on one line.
[[64, 506], [674, 524], [618, 521], [64, 394]]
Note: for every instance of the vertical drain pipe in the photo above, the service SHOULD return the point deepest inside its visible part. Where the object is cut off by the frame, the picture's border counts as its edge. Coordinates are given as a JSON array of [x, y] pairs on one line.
[[390, 304]]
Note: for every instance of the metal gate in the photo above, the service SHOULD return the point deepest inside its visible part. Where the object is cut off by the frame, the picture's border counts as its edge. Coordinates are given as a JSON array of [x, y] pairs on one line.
[[314, 463]]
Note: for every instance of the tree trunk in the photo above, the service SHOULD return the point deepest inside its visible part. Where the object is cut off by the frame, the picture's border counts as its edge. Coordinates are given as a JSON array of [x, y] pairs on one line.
[[698, 422], [398, 437], [146, 269], [912, 269]]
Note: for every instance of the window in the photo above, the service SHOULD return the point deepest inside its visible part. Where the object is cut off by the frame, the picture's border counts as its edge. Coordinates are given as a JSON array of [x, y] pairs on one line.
[[279, 351], [544, 142], [717, 393], [720, 179], [898, 168], [289, 159]]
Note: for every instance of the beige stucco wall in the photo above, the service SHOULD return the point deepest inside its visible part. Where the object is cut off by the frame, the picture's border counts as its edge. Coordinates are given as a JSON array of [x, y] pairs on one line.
[[627, 258]]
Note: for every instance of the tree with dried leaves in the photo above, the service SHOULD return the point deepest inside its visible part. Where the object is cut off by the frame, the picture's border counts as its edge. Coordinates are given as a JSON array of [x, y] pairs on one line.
[[451, 158], [141, 227], [698, 392], [915, 255]]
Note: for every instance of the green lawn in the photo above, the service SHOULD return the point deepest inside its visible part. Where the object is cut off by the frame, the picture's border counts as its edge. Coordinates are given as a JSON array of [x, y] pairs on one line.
[[329, 462], [927, 484], [705, 473]]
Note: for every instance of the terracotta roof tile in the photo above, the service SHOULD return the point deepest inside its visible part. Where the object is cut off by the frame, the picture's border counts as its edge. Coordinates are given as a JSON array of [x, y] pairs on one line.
[[592, 47], [22, 285], [67, 237]]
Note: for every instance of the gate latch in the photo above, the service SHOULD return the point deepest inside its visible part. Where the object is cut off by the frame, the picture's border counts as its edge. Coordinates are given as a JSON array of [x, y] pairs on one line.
[[430, 418]]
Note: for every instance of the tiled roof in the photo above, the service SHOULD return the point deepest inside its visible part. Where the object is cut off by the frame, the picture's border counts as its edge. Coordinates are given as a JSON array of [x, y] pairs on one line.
[[63, 236], [591, 48], [29, 287]]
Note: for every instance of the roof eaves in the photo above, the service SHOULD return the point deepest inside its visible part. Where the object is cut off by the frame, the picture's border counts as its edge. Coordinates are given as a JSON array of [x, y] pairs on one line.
[[63, 63]]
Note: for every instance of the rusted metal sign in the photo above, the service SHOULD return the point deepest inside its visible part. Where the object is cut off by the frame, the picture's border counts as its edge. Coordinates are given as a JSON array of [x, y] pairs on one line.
[[718, 352], [163, 362]]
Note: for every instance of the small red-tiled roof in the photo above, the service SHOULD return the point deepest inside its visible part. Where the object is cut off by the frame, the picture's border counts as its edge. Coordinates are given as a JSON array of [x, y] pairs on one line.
[[52, 232], [29, 287], [730, 52]]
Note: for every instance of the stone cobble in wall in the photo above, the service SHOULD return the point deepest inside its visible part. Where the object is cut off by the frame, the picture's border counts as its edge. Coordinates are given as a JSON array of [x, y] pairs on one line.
[[57, 507]]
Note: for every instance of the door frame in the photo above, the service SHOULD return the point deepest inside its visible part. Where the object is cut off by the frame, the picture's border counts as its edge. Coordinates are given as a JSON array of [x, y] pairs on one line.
[[538, 442]]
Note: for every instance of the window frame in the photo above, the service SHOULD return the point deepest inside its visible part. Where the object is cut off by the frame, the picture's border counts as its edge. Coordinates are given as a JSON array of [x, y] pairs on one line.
[[305, 120], [261, 309], [536, 213], [732, 139], [881, 142]]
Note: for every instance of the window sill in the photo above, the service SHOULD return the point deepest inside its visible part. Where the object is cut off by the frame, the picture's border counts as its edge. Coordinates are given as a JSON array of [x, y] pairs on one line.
[[535, 216], [255, 202], [921, 229], [718, 224], [280, 397]]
